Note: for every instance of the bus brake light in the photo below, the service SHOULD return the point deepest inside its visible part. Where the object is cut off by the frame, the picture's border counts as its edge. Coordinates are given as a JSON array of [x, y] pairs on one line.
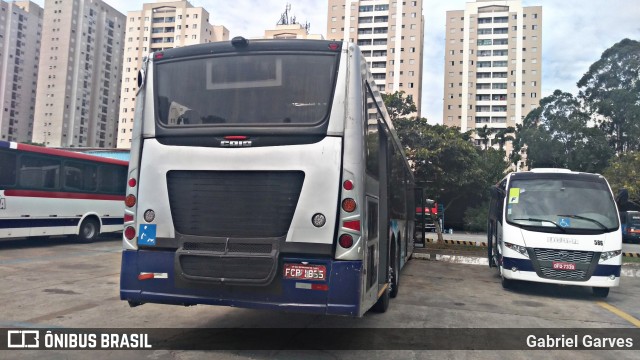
[[348, 205], [346, 241], [132, 182], [129, 232], [348, 185], [130, 200]]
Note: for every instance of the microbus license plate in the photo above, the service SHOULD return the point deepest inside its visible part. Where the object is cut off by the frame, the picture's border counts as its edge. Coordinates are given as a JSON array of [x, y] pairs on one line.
[[563, 266], [305, 272]]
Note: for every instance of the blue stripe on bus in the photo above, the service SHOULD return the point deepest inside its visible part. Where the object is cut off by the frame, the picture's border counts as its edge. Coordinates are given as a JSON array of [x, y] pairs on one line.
[[521, 264], [112, 221], [342, 298], [50, 222], [527, 265], [5, 144], [607, 270]]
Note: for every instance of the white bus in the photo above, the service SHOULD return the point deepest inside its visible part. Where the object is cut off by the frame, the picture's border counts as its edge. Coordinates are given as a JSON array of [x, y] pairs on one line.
[[555, 226], [266, 174], [45, 192]]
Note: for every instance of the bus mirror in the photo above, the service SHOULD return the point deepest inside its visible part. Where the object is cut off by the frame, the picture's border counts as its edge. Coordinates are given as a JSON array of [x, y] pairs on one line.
[[623, 197]]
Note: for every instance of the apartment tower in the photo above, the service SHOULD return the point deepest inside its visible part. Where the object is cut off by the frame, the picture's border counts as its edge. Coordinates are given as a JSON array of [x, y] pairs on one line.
[[493, 63], [390, 34], [20, 31], [158, 26], [79, 74]]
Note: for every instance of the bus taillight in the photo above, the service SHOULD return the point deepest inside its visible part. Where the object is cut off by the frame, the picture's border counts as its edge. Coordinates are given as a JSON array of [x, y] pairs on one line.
[[130, 200], [128, 218], [132, 182], [347, 185], [349, 205], [130, 232], [346, 241]]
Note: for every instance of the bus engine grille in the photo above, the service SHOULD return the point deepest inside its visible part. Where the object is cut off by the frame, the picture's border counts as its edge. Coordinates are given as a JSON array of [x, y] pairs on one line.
[[247, 204], [579, 257]]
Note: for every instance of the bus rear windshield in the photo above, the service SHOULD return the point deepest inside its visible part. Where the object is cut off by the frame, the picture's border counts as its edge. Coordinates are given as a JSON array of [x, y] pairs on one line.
[[246, 90]]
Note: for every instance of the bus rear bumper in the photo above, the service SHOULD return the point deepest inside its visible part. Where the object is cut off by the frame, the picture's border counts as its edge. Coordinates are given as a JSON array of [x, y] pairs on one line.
[[523, 269], [341, 297]]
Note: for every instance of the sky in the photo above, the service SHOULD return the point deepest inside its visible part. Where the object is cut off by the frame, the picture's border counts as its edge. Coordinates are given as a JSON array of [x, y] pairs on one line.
[[574, 33]]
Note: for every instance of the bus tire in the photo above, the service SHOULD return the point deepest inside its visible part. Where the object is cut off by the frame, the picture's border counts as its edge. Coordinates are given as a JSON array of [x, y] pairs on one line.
[[506, 283], [89, 230], [601, 292], [382, 304], [395, 272]]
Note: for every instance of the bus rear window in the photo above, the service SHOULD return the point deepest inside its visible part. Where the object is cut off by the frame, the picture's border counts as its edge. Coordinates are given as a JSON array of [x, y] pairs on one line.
[[245, 90]]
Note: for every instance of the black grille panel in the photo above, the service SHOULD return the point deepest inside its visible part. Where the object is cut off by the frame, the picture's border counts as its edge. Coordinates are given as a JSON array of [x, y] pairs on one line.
[[250, 248], [258, 268], [578, 257], [564, 274], [233, 203], [194, 246]]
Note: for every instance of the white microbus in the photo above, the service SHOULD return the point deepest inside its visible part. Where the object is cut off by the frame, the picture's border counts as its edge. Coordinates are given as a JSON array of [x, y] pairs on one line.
[[265, 174], [555, 226], [45, 192]]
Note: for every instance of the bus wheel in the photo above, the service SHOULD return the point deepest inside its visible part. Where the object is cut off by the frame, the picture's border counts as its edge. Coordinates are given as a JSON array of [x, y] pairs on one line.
[[383, 302], [506, 283], [395, 272], [89, 230], [601, 292]]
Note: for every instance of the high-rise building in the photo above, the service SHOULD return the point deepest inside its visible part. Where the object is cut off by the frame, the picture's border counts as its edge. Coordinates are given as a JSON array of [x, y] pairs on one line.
[[161, 25], [390, 34], [79, 74], [20, 31], [492, 67]]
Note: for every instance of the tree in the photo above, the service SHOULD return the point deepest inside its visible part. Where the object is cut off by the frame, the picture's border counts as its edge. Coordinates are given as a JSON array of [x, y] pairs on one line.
[[484, 133], [611, 88], [504, 135], [557, 134], [624, 173], [398, 105]]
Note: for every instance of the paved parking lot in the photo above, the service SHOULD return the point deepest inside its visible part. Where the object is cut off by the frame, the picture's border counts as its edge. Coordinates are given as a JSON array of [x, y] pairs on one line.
[[61, 283]]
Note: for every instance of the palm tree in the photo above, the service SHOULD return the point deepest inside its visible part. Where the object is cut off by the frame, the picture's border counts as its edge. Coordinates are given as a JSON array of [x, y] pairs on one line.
[[483, 135], [504, 135]]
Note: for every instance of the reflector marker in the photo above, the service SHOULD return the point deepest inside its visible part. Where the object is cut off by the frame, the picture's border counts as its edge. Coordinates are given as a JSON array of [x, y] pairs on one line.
[[307, 286], [147, 276]]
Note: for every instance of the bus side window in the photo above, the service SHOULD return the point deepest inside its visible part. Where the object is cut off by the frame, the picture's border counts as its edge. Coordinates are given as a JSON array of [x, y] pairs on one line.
[[8, 164], [39, 173], [372, 146]]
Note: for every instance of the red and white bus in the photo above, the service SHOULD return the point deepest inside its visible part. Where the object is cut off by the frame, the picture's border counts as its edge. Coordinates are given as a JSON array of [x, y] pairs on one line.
[[45, 192]]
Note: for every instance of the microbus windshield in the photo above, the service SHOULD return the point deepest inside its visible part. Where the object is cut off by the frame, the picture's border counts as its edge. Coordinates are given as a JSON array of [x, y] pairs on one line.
[[578, 205]]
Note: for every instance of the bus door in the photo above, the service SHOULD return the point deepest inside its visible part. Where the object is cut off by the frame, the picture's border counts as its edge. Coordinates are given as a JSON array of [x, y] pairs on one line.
[[373, 196]]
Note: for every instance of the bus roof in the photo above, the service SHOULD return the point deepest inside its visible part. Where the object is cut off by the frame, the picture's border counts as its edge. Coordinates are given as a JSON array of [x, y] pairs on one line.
[[249, 45], [553, 173], [57, 152]]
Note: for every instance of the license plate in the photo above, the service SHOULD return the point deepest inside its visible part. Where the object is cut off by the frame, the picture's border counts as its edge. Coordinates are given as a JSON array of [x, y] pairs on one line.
[[305, 272], [563, 266]]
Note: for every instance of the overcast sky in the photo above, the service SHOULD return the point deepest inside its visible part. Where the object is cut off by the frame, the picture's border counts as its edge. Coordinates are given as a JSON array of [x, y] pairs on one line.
[[574, 33]]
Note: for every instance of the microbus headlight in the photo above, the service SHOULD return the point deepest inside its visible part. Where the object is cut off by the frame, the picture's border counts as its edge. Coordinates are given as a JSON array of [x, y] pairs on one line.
[[518, 248], [609, 254]]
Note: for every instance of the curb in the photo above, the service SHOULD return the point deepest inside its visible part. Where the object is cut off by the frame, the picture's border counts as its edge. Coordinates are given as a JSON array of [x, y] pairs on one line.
[[626, 271], [484, 244]]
